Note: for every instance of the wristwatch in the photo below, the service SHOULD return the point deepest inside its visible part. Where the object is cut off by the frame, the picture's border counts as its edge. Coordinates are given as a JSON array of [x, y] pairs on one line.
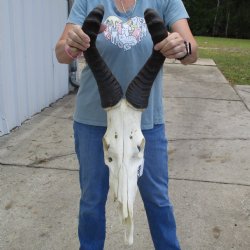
[[188, 50]]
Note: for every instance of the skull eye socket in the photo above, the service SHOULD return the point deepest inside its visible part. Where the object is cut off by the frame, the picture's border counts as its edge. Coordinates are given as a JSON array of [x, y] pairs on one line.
[[141, 147]]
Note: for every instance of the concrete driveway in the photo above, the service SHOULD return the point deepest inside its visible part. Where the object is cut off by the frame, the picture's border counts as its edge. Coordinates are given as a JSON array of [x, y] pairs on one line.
[[208, 127]]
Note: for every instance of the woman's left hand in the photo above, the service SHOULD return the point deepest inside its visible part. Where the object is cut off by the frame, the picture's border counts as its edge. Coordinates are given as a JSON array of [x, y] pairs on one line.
[[172, 47]]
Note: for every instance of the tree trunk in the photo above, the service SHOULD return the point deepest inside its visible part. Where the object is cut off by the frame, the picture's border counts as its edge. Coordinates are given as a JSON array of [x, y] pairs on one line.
[[215, 18], [227, 25]]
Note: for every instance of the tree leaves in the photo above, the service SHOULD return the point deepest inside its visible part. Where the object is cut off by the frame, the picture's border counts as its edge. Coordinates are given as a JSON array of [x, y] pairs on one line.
[[224, 18]]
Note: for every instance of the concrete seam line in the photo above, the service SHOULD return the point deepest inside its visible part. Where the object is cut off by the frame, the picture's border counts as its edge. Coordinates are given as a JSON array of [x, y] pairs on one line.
[[242, 100], [209, 139], [192, 65], [44, 160], [212, 182], [35, 163], [63, 118], [242, 90], [202, 98], [36, 167], [170, 178]]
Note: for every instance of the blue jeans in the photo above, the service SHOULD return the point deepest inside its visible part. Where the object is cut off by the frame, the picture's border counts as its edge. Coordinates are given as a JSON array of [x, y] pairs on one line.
[[94, 184]]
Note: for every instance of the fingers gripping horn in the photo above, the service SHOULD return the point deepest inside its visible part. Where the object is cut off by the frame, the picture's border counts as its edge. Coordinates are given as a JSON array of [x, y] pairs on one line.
[[139, 89], [109, 88]]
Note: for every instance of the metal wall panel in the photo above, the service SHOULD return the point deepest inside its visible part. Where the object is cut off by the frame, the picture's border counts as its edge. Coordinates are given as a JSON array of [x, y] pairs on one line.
[[30, 76]]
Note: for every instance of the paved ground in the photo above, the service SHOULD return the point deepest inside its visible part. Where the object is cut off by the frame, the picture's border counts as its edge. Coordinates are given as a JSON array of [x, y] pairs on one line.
[[208, 126]]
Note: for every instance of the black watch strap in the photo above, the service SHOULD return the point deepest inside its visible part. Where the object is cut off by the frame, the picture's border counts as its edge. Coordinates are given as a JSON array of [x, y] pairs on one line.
[[188, 50]]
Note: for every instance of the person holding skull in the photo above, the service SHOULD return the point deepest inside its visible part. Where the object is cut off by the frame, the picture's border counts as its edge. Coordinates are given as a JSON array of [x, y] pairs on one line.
[[130, 51]]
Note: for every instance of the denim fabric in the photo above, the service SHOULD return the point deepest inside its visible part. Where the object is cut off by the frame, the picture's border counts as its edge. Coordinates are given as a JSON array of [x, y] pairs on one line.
[[94, 184]]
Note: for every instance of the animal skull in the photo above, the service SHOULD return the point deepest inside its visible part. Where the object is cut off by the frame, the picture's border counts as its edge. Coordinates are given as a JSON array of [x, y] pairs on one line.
[[123, 142], [123, 145]]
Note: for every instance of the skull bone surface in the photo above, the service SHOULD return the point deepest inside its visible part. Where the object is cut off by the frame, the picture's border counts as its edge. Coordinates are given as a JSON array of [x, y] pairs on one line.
[[123, 145]]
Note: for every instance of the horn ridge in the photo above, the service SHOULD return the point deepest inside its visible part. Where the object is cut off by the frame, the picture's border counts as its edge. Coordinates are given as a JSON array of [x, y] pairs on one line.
[[109, 89], [138, 91]]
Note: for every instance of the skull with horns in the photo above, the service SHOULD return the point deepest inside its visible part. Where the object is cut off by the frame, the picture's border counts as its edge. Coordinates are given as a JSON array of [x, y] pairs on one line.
[[123, 142]]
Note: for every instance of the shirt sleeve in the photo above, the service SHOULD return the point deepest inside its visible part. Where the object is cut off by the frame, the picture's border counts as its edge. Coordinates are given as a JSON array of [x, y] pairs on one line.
[[78, 12], [173, 10]]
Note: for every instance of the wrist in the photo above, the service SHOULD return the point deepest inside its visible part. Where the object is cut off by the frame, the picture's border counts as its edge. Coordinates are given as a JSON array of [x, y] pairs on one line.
[[188, 51]]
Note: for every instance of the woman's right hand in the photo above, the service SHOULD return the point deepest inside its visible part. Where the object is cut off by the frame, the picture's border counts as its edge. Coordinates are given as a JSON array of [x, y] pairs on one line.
[[76, 38], [72, 42]]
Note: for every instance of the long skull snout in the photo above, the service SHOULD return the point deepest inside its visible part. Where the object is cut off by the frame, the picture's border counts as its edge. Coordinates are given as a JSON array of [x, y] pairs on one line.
[[123, 153], [123, 142]]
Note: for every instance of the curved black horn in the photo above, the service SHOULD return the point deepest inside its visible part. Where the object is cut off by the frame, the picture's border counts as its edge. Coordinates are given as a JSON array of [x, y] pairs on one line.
[[139, 89], [109, 88]]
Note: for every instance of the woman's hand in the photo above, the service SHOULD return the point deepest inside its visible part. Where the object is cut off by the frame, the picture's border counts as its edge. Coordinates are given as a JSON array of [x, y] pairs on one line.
[[72, 42], [173, 46], [77, 39]]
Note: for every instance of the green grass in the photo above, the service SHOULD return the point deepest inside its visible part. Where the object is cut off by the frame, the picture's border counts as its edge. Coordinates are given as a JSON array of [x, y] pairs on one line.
[[232, 57]]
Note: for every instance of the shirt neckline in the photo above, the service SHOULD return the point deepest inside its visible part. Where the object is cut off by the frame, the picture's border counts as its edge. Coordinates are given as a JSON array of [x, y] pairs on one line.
[[129, 12]]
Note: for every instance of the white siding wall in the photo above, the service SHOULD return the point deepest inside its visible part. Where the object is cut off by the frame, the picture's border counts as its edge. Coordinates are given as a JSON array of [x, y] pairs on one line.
[[30, 76]]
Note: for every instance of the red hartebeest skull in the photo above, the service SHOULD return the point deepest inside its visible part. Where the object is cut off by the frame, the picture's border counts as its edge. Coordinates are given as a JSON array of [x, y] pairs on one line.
[[123, 142]]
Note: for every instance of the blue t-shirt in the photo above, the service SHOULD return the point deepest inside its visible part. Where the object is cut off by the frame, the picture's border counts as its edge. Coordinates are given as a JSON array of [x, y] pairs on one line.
[[125, 46]]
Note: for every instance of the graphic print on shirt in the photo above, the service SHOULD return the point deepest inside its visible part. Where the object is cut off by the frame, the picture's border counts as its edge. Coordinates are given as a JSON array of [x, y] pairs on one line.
[[125, 34]]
